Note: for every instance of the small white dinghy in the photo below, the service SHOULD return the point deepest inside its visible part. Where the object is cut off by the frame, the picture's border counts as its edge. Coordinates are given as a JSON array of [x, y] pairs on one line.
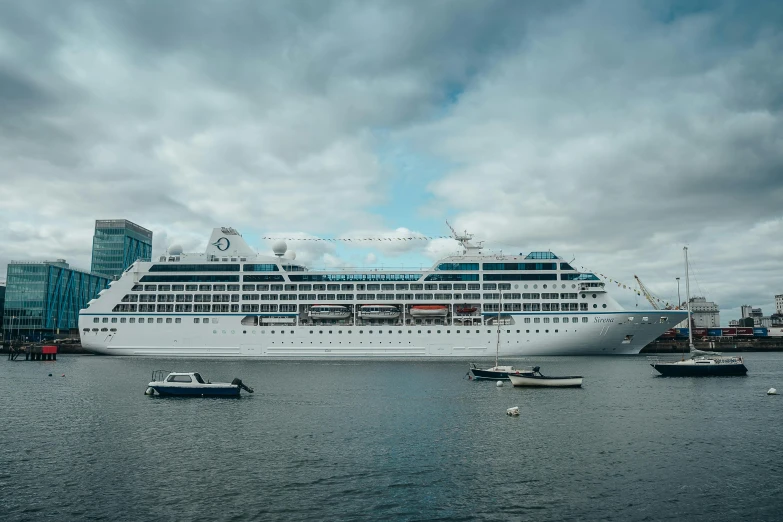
[[513, 412], [535, 378], [772, 391]]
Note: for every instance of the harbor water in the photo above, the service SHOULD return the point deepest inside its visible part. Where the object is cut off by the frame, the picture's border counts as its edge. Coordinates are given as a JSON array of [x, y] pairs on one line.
[[389, 440]]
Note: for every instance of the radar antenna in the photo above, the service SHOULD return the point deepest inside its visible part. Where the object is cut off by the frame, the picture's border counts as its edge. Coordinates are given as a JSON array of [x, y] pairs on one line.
[[464, 240]]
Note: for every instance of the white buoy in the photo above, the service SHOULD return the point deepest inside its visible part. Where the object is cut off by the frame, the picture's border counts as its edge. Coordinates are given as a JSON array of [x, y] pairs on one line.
[[772, 391], [149, 391], [499, 384], [514, 412]]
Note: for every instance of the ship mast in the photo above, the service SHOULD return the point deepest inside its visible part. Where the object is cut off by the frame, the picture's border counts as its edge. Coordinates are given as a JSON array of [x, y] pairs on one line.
[[688, 300], [464, 240], [497, 344]]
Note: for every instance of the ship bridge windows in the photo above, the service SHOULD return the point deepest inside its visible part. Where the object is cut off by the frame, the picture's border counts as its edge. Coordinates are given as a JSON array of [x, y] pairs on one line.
[[579, 277], [195, 278], [541, 255], [520, 266], [520, 277], [258, 277], [452, 277], [458, 266], [194, 268], [264, 267], [294, 268], [137, 288]]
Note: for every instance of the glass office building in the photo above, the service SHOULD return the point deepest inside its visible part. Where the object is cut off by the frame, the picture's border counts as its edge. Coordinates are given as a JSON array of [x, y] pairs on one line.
[[44, 298], [117, 243]]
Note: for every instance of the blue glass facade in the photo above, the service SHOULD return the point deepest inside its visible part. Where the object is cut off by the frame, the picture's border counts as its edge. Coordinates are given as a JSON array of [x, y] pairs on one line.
[[117, 243], [45, 298]]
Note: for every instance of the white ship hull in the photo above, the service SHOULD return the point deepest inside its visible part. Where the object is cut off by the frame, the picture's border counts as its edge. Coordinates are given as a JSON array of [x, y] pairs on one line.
[[232, 302], [604, 334]]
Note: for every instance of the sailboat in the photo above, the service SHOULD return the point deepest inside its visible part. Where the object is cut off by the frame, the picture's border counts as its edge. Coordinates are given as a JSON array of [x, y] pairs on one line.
[[701, 363], [497, 372]]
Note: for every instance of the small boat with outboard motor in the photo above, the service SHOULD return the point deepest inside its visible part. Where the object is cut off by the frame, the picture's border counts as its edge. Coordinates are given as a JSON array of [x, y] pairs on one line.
[[191, 384], [533, 377]]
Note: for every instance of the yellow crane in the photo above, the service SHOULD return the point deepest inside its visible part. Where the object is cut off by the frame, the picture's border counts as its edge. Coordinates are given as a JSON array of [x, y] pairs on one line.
[[647, 294]]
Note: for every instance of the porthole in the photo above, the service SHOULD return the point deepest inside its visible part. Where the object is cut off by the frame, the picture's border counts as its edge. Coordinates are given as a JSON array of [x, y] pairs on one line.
[[594, 296], [544, 286], [214, 331], [584, 296], [516, 286], [525, 286], [535, 286], [595, 306], [604, 305], [573, 285]]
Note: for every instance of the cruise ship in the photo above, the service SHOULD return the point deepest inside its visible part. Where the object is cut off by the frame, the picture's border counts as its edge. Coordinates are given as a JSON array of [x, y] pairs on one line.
[[231, 301]]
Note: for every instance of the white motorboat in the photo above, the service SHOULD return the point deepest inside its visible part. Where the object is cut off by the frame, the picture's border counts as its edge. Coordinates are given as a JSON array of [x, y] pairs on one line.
[[534, 378], [191, 384]]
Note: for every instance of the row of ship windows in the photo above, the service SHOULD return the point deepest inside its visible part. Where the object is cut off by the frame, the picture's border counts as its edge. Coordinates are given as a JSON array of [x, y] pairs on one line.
[[197, 320], [235, 298], [332, 287], [292, 308]]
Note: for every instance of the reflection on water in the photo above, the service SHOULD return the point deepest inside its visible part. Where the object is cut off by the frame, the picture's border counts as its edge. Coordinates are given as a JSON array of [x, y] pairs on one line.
[[388, 440]]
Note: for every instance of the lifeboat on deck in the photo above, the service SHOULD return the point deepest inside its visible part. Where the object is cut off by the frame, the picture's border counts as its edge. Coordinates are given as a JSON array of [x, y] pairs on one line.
[[465, 309], [328, 312], [379, 311], [429, 310]]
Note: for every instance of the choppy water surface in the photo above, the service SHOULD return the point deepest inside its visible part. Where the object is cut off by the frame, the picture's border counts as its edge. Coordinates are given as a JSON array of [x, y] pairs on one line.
[[388, 440]]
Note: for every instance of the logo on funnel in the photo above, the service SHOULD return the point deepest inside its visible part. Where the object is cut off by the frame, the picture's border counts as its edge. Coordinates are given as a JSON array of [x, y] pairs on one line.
[[222, 244]]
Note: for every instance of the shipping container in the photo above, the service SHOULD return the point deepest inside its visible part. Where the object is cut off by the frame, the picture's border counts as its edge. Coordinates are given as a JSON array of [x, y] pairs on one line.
[[759, 332], [699, 332], [744, 331], [728, 332], [713, 332], [775, 332], [669, 334]]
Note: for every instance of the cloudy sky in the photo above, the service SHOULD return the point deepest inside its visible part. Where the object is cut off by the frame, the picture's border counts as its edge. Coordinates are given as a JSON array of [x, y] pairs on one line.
[[612, 132]]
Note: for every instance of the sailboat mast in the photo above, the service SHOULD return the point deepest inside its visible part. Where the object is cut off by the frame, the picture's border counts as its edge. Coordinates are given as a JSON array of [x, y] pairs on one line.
[[688, 300], [497, 345]]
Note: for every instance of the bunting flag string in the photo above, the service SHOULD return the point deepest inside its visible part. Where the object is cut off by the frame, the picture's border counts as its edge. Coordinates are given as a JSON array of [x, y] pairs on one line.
[[664, 304], [419, 238]]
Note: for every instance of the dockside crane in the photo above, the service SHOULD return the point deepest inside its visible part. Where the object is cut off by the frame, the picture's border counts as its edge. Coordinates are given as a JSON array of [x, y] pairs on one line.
[[647, 294]]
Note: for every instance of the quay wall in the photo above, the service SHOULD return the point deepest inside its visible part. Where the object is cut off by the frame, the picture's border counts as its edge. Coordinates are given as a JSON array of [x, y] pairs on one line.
[[725, 344]]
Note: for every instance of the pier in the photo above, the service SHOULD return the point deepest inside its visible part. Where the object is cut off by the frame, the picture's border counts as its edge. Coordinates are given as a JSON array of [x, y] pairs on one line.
[[32, 352]]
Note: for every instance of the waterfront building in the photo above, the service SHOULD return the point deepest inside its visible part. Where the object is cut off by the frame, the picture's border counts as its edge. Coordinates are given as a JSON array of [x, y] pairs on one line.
[[704, 314], [45, 297], [2, 306], [117, 243], [779, 304]]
